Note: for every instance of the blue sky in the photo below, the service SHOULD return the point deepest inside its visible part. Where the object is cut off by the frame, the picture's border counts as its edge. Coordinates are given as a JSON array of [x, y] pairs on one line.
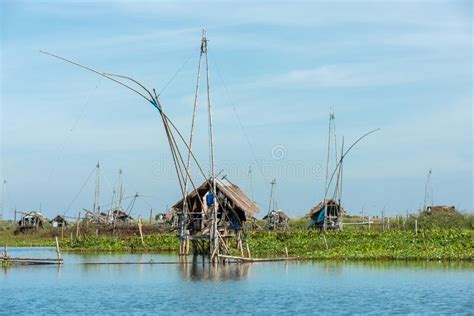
[[405, 67]]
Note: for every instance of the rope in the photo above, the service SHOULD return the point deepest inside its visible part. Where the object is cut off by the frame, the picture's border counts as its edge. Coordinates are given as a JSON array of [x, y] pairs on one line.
[[80, 191], [71, 130], [254, 155], [177, 72]]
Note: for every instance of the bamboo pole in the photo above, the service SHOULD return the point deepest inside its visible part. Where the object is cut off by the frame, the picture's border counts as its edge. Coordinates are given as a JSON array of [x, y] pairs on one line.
[[58, 252], [77, 225], [140, 230]]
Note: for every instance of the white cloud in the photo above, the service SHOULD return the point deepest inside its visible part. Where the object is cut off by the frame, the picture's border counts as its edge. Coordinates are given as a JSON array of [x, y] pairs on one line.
[[339, 75]]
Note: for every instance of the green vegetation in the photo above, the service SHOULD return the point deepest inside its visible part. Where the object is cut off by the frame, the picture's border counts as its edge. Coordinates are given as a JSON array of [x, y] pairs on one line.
[[8, 238], [439, 237], [450, 244], [155, 242]]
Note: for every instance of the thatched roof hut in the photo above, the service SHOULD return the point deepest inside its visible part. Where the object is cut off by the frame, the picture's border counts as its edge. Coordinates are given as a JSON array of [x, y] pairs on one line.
[[31, 221], [58, 221], [441, 209], [277, 220], [234, 205], [120, 216], [282, 215], [334, 212]]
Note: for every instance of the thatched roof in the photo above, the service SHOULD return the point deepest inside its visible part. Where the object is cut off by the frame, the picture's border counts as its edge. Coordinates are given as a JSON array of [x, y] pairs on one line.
[[38, 215], [240, 200], [59, 219], [320, 206], [280, 214], [168, 216], [439, 209]]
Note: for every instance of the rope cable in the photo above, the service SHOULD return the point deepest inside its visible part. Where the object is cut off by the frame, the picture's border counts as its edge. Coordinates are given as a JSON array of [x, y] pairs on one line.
[[74, 125], [239, 120], [80, 191], [177, 72]]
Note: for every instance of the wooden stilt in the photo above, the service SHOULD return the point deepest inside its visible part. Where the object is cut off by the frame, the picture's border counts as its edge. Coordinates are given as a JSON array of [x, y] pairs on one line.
[[58, 252], [77, 225], [141, 232]]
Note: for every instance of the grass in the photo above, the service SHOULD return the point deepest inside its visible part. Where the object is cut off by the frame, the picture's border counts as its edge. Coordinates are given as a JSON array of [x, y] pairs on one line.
[[448, 244], [439, 237]]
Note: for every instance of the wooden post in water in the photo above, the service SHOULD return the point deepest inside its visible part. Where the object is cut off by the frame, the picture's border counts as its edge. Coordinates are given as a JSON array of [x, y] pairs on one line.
[[325, 241], [286, 251], [239, 244], [77, 225], [140, 230], [248, 250], [58, 252]]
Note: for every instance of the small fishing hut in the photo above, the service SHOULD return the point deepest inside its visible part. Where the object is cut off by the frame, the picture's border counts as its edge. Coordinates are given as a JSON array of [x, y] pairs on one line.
[[334, 214], [440, 209], [170, 218], [114, 216], [32, 221], [119, 216], [58, 221], [234, 207], [277, 220]]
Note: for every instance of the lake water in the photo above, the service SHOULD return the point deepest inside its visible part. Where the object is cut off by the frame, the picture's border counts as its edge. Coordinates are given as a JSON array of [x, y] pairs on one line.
[[192, 287]]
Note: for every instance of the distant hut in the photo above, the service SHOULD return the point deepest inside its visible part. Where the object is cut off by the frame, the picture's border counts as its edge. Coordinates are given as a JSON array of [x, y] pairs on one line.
[[58, 221], [440, 209], [334, 213], [234, 206], [120, 216], [32, 221], [277, 220], [160, 217], [253, 222], [170, 218]]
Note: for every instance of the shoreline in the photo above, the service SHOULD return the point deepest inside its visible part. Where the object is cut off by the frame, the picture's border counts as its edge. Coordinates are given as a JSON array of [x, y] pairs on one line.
[[427, 245]]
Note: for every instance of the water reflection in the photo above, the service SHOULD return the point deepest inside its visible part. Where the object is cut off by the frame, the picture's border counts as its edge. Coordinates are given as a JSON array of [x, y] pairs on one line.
[[196, 268]]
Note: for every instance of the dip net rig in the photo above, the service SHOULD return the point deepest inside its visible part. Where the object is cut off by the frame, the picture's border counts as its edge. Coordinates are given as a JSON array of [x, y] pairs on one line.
[[330, 220], [209, 236], [328, 214]]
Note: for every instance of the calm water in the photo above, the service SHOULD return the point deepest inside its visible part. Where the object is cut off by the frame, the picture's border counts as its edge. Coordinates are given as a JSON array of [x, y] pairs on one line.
[[264, 288]]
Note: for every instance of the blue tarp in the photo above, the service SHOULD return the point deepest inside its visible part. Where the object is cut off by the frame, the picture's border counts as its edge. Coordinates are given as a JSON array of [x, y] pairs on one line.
[[235, 222], [210, 199], [321, 216]]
